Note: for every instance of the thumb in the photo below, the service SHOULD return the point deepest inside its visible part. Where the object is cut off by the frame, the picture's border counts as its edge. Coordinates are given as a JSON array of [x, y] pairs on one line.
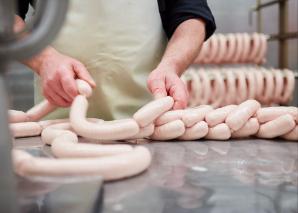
[[157, 88], [83, 74]]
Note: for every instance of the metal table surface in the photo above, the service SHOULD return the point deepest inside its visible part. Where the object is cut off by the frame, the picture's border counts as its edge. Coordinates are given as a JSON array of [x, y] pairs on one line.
[[207, 176]]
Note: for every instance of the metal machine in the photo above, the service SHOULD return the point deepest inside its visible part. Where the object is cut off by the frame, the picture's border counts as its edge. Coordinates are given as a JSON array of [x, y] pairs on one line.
[[48, 19]]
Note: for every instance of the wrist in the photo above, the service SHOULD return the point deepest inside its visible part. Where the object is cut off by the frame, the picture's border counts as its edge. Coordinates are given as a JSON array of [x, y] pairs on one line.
[[36, 62], [171, 65]]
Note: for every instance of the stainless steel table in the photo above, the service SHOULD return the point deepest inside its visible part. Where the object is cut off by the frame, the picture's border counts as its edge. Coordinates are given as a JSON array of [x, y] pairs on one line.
[[251, 176]]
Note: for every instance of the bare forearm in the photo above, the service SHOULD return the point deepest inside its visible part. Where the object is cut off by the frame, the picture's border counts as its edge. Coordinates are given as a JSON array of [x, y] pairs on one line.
[[184, 45], [35, 62]]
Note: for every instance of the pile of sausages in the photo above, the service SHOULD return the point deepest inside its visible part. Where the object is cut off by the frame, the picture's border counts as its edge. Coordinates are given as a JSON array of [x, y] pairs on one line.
[[234, 49], [220, 86], [155, 121]]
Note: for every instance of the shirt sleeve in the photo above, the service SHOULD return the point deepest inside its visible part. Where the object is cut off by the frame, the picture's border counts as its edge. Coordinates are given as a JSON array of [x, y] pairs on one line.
[[174, 12], [23, 7]]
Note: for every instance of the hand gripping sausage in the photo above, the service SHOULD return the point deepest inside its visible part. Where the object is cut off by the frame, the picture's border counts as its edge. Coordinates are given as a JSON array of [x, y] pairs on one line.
[[84, 88], [237, 119], [109, 130], [110, 167], [151, 111]]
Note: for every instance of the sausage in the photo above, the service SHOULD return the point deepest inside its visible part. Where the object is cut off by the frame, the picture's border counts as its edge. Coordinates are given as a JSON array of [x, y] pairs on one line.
[[251, 84], [144, 132], [245, 48], [289, 88], [168, 131], [191, 116], [260, 58], [202, 54], [231, 48], [219, 90], [40, 110], [206, 85], [237, 119], [197, 131], [169, 116], [241, 87], [231, 87], [219, 115], [46, 123], [151, 111], [109, 167], [260, 84], [26, 129], [108, 130], [195, 95], [276, 127], [255, 45], [53, 131], [213, 49], [15, 116], [219, 132], [221, 50], [238, 49], [270, 113], [292, 135], [84, 88], [278, 85], [66, 146], [269, 87], [251, 127]]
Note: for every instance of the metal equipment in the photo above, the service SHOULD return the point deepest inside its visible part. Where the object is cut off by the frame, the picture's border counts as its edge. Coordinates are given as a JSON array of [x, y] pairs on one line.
[[48, 20]]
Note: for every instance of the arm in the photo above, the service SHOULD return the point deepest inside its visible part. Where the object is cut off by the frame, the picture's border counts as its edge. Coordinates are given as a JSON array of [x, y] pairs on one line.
[[57, 72], [182, 49]]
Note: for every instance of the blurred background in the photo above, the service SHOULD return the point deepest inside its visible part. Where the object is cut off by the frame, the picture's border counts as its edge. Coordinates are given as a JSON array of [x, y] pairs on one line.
[[231, 16]]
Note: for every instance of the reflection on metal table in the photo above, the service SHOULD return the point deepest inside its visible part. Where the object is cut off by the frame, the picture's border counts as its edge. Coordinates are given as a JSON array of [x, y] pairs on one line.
[[210, 176]]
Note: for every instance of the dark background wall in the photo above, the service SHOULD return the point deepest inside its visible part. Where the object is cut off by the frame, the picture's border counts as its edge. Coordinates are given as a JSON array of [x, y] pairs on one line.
[[231, 16]]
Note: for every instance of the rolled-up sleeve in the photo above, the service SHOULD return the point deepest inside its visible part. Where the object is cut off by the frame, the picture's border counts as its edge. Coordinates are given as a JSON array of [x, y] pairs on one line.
[[174, 12], [23, 6]]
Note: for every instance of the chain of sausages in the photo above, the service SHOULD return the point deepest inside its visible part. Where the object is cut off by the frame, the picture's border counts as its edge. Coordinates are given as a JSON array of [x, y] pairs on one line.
[[223, 86], [155, 121], [234, 49]]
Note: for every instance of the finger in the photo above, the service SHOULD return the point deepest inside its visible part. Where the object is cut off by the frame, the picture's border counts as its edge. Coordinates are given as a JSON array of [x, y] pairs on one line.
[[69, 86], [83, 74], [179, 93], [56, 86], [157, 88], [56, 98]]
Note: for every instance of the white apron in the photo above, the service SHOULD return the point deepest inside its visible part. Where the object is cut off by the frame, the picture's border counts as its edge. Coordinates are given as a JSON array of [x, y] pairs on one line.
[[120, 42]]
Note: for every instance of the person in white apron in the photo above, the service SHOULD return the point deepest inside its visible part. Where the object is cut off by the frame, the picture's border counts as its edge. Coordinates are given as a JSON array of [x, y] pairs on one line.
[[120, 44]]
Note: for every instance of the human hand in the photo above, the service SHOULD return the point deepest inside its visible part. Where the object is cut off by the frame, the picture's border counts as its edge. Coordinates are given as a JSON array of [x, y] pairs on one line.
[[58, 73], [165, 81]]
